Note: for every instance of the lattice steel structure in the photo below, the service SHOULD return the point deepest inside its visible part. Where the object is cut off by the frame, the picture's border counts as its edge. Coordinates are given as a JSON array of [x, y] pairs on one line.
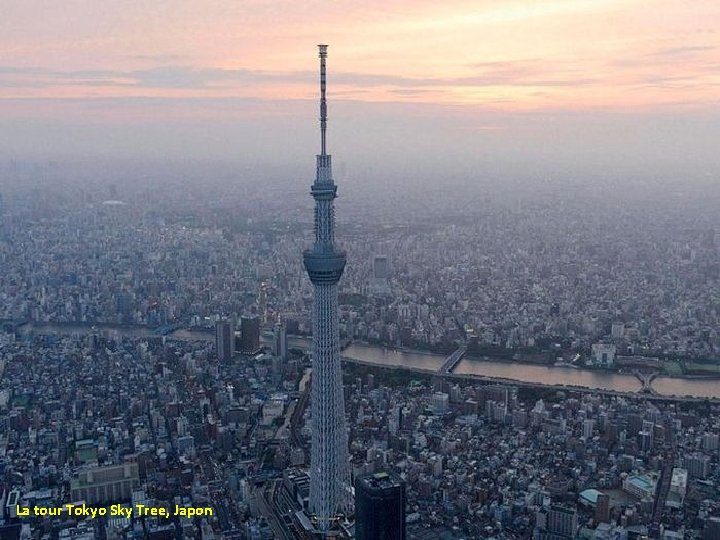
[[329, 470]]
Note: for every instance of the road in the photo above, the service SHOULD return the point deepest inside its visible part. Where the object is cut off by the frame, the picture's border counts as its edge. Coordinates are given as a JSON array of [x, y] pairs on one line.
[[296, 420], [269, 513]]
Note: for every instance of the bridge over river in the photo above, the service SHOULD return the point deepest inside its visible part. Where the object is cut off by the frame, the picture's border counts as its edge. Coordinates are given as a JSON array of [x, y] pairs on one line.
[[452, 361], [653, 385], [646, 379], [456, 364]]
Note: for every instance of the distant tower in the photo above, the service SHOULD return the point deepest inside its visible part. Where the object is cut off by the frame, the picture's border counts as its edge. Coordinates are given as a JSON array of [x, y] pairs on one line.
[[329, 471], [224, 340]]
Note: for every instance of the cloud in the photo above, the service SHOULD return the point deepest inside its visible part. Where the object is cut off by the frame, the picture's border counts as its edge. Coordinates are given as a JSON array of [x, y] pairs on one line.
[[188, 77], [159, 58], [683, 51], [38, 77]]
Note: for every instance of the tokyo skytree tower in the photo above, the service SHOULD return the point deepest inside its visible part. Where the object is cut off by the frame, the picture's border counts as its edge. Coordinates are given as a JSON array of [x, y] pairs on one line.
[[329, 469]]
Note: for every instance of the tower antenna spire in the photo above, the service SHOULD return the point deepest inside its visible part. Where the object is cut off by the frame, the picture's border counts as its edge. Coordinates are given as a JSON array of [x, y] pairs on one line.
[[323, 102]]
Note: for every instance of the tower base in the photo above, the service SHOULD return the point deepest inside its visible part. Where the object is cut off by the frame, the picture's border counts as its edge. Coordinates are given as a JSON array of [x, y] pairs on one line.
[[342, 529]]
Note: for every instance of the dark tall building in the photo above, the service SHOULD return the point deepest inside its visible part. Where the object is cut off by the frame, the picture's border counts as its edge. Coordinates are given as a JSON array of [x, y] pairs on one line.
[[602, 508], [380, 507], [280, 347], [2, 213], [381, 267], [124, 303], [249, 335], [223, 340], [712, 529]]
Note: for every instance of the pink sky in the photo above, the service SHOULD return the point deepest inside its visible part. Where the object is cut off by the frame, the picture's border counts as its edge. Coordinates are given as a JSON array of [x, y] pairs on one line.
[[502, 54], [420, 78]]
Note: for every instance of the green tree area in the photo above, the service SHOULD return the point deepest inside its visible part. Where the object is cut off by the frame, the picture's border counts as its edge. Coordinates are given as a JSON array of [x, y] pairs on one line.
[[386, 376]]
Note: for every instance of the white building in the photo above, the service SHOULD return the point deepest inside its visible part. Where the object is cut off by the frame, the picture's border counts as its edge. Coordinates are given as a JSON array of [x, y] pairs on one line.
[[678, 488], [440, 402], [603, 354], [618, 330], [641, 485]]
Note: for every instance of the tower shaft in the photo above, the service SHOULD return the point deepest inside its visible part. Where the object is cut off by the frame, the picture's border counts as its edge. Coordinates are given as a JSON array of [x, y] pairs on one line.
[[329, 468]]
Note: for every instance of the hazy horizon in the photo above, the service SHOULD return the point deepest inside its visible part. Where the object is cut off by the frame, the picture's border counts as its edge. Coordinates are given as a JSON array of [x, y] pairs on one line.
[[547, 86]]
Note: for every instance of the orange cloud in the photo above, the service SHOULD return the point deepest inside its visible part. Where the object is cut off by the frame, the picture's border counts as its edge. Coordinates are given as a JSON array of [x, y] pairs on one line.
[[502, 54]]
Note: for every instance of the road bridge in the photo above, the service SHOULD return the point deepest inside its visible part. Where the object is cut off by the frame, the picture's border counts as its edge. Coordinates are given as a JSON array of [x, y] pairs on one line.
[[452, 361], [646, 379]]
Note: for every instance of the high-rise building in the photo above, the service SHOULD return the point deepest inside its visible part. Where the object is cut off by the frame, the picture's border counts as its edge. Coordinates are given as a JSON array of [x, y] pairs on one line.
[[280, 347], [262, 302], [712, 529], [711, 442], [557, 522], [696, 464], [111, 483], [379, 284], [603, 354], [324, 263], [249, 335], [380, 507], [223, 340], [678, 488], [124, 302], [602, 508], [646, 436], [381, 267]]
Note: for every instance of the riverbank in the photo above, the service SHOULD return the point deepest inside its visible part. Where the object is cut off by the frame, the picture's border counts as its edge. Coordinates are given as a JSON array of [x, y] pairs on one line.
[[492, 370], [593, 369], [586, 390], [537, 385]]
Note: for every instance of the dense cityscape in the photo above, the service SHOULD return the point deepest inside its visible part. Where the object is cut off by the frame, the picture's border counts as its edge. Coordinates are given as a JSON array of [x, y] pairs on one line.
[[146, 360], [544, 272]]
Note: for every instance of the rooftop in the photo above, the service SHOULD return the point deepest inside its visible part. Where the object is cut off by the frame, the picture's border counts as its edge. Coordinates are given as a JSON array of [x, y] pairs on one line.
[[381, 480], [590, 495]]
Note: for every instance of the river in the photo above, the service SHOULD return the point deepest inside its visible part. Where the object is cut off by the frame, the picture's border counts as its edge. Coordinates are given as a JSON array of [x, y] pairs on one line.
[[375, 354]]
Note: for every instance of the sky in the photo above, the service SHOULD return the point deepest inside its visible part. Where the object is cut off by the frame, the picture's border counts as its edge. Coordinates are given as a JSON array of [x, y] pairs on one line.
[[601, 81]]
